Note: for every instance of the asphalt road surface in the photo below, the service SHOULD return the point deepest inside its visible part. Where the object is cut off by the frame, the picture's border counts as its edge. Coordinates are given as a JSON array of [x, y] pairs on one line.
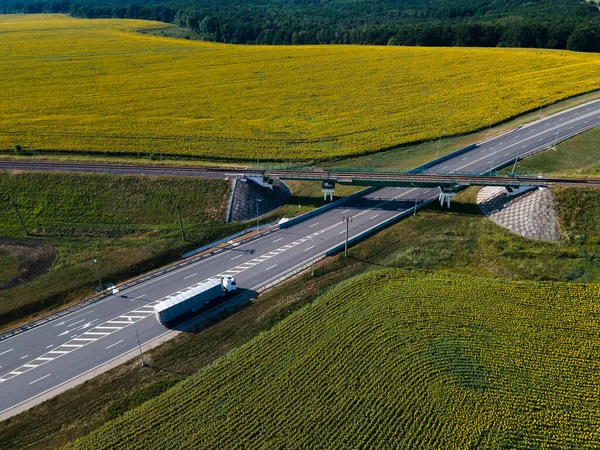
[[38, 361]]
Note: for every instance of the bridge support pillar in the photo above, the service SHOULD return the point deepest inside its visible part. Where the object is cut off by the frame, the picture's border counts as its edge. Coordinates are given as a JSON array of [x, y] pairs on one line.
[[445, 197], [328, 188]]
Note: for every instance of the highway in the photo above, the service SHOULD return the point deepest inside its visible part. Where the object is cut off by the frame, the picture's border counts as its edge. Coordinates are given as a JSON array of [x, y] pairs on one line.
[[38, 361]]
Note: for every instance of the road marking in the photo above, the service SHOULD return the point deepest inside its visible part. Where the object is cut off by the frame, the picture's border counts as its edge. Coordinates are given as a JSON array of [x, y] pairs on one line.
[[85, 339], [73, 345], [112, 345], [524, 147], [80, 315], [30, 365], [108, 328], [527, 139], [43, 358], [135, 317], [346, 210], [540, 140], [277, 240], [40, 379], [60, 351], [75, 323], [585, 122], [313, 225], [6, 351], [121, 322], [376, 215], [464, 158], [312, 246], [51, 345], [190, 276], [269, 268], [342, 232], [103, 333], [483, 150], [507, 154], [23, 357], [443, 167], [238, 256], [143, 295]]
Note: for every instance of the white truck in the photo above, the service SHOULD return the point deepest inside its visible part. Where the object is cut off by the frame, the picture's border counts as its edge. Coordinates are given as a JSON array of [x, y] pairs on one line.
[[193, 298]]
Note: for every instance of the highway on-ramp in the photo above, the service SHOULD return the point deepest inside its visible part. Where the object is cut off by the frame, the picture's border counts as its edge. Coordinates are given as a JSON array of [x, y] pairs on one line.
[[38, 361]]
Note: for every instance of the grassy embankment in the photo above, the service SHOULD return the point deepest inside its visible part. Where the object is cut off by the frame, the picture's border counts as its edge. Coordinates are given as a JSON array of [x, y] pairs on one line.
[[128, 223], [460, 241], [83, 77], [391, 359]]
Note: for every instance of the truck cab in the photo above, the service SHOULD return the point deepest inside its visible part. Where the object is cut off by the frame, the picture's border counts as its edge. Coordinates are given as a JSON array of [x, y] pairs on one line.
[[228, 284]]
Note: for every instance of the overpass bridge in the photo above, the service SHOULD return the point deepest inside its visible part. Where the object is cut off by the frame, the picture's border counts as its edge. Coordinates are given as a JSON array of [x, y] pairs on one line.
[[448, 184]]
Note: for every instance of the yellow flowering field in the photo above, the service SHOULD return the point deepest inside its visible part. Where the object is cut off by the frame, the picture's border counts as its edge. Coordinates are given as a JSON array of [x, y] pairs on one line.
[[97, 85], [395, 360]]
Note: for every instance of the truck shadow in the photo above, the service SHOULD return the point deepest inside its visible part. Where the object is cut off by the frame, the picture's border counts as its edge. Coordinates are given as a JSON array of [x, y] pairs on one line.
[[204, 318]]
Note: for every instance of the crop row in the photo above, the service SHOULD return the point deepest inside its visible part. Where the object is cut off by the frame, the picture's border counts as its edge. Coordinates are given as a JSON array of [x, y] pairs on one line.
[[395, 360]]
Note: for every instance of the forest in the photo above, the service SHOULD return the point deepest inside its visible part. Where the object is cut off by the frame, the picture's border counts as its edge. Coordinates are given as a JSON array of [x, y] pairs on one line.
[[555, 24]]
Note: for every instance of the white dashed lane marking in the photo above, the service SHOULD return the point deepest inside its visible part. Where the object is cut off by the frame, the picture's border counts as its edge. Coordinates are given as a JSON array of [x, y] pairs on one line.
[[40, 379], [112, 345]]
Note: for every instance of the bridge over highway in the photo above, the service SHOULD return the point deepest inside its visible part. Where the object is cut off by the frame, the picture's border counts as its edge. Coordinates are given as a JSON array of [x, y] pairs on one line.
[[431, 179], [41, 361]]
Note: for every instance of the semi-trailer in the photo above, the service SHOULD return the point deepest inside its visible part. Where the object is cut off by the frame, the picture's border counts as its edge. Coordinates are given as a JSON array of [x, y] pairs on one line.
[[193, 298]]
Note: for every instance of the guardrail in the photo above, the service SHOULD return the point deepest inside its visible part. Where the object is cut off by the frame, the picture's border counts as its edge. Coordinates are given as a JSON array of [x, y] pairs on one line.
[[293, 271], [376, 228], [327, 207], [132, 283]]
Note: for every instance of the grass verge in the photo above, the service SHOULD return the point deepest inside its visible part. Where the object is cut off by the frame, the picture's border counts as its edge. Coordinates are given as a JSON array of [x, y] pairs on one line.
[[127, 223], [460, 241]]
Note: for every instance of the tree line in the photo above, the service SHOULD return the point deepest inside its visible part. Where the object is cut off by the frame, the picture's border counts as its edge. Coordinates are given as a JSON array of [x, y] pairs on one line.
[[555, 24]]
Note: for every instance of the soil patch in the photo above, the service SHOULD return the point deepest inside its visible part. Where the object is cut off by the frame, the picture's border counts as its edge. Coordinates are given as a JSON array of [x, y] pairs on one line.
[[35, 258]]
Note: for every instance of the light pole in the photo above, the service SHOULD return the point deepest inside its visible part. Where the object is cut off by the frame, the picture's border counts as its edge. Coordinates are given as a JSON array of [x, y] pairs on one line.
[[439, 143], [555, 141], [491, 121], [139, 343], [347, 220], [416, 199], [312, 264], [363, 162], [97, 274], [541, 106], [515, 164], [257, 201]]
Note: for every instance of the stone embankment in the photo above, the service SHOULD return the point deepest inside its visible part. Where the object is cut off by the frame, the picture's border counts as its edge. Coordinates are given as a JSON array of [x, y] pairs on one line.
[[530, 215], [247, 195]]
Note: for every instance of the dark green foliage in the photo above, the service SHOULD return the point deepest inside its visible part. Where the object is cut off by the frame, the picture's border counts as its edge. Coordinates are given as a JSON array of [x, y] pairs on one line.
[[122, 405], [556, 24]]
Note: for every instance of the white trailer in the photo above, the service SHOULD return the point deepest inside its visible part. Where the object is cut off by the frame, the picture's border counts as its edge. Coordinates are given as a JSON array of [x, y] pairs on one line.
[[193, 298]]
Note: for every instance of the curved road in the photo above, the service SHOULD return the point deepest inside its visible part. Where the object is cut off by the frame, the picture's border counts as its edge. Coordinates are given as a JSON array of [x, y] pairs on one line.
[[38, 361]]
